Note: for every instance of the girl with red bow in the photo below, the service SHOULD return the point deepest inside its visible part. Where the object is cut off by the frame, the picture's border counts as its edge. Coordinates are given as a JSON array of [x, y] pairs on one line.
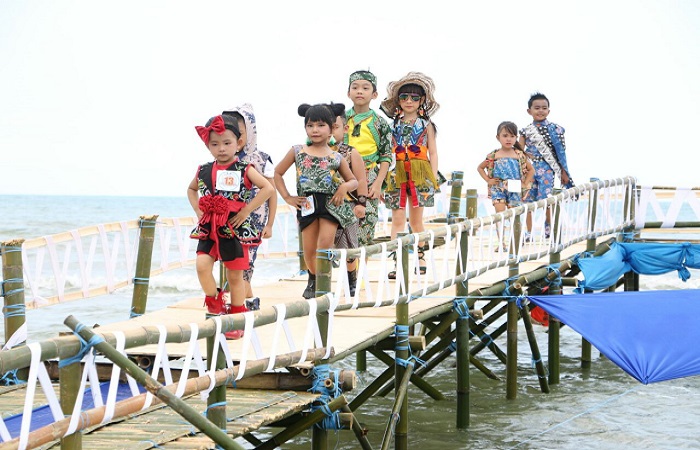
[[221, 194]]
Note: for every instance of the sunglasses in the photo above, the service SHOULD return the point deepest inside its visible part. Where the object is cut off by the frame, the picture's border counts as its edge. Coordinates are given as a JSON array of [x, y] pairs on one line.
[[413, 97]]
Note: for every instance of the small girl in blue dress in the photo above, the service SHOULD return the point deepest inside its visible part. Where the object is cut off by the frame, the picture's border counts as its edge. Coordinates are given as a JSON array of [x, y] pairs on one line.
[[507, 171]]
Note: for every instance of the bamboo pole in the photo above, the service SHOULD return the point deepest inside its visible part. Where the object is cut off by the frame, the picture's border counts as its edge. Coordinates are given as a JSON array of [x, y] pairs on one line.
[[360, 432], [402, 312], [154, 387], [419, 382], [135, 404], [455, 197], [69, 385], [472, 203], [324, 268], [216, 400], [147, 227], [462, 341], [586, 349], [398, 411], [512, 323], [12, 289], [536, 356]]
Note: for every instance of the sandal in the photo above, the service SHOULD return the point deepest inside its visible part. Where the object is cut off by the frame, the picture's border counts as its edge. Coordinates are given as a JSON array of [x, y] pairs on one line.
[[392, 275], [422, 266]]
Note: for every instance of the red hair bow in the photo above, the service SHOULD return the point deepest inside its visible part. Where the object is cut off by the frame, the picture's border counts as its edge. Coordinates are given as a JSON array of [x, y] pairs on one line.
[[217, 125]]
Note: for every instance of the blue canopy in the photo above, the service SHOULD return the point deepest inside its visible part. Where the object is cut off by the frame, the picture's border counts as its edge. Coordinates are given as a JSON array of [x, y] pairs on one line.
[[652, 335]]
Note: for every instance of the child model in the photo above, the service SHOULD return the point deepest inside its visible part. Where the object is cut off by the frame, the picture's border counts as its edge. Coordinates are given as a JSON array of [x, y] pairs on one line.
[[357, 200], [371, 136], [264, 217], [320, 199], [413, 181], [543, 142], [507, 171], [221, 196]]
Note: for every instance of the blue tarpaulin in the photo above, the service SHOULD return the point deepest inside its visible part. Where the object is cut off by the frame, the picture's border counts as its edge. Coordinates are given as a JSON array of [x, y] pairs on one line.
[[652, 335], [643, 258]]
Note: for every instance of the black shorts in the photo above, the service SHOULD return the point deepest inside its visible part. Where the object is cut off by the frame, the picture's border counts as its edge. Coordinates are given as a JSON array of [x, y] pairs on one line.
[[320, 212]]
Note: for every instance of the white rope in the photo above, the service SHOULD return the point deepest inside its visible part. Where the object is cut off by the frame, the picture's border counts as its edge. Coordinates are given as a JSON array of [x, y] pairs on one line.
[[37, 371], [193, 353], [19, 336], [446, 257], [250, 336], [4, 432], [161, 360], [114, 380], [312, 331], [398, 284], [383, 275], [342, 285], [362, 275], [331, 314], [281, 311]]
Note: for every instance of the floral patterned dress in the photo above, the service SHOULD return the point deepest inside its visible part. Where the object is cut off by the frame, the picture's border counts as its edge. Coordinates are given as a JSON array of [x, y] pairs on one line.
[[319, 175]]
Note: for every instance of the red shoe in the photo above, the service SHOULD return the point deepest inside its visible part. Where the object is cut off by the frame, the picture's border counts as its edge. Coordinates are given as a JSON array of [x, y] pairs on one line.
[[215, 305], [230, 309]]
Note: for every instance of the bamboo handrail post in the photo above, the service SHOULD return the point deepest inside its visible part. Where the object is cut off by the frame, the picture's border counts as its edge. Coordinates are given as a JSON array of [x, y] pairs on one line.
[[69, 385], [147, 231], [402, 354], [462, 341], [324, 268], [216, 400], [472, 203], [12, 290], [512, 324], [553, 334], [300, 254], [455, 196], [154, 387], [586, 349], [398, 411]]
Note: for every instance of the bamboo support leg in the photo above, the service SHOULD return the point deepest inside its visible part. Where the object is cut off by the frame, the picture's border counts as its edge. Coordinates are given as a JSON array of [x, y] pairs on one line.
[[553, 335], [69, 384], [398, 409], [417, 381], [360, 432], [512, 352], [536, 356], [12, 289]]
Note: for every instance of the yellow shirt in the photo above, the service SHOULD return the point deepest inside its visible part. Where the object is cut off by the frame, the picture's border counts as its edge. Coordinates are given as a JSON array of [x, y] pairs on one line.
[[364, 143]]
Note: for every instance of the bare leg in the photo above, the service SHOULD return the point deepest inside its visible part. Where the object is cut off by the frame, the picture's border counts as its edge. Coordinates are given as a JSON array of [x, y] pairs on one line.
[[236, 286], [205, 265], [398, 222], [310, 238]]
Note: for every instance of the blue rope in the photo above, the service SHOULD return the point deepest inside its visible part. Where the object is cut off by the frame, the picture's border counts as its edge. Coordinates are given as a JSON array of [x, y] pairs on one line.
[[627, 236], [133, 314], [85, 347], [461, 307], [4, 293], [143, 223], [213, 405], [320, 374], [153, 443], [10, 378], [401, 332], [138, 280], [18, 310]]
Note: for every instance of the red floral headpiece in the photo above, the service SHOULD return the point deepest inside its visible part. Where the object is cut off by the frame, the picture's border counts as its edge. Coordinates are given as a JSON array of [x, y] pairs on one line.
[[217, 125]]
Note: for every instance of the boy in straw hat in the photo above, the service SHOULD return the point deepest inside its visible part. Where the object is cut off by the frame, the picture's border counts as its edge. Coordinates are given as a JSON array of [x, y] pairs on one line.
[[370, 134], [413, 180]]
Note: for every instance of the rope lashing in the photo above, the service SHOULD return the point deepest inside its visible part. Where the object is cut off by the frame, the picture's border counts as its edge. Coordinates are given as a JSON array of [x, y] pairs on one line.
[[509, 282], [138, 280], [150, 223], [557, 279], [401, 332], [461, 307], [133, 314], [85, 347], [4, 293], [212, 406], [10, 378], [627, 236], [320, 374], [18, 310]]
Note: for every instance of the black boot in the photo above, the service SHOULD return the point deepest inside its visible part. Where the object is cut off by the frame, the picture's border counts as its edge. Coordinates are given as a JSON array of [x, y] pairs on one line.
[[310, 291], [352, 281]]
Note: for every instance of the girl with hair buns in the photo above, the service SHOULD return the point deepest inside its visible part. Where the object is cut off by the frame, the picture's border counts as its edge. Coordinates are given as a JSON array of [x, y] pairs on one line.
[[413, 180], [323, 180]]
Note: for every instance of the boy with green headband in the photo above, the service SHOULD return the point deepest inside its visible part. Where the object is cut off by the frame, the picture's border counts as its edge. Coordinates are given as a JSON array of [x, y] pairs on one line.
[[370, 134]]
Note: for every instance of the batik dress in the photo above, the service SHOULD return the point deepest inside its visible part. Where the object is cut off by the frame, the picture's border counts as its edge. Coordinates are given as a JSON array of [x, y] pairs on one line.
[[503, 170], [347, 237], [370, 134], [318, 179], [545, 145], [412, 178]]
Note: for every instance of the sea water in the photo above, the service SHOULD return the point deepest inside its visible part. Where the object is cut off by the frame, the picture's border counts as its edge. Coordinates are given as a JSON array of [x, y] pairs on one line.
[[598, 408]]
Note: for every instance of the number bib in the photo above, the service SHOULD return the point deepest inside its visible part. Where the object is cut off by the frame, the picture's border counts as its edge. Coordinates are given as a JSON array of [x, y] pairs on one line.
[[514, 186], [308, 207], [228, 180]]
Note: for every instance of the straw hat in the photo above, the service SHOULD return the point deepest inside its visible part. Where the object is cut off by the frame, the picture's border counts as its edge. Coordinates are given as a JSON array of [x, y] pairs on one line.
[[391, 102]]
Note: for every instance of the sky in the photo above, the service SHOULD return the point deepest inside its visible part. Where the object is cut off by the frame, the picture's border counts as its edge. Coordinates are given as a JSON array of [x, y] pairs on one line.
[[101, 98]]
